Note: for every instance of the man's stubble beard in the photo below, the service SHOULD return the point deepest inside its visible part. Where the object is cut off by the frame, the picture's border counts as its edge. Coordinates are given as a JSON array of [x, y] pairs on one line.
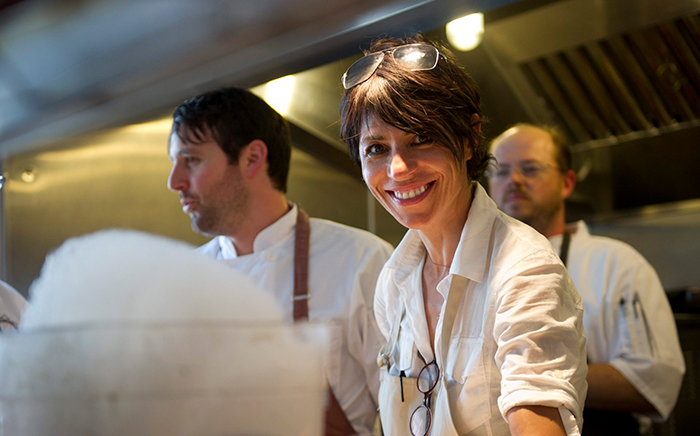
[[226, 213], [204, 222], [539, 216]]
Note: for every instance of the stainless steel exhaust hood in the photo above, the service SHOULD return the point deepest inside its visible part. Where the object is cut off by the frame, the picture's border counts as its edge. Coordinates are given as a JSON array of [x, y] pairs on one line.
[[622, 78]]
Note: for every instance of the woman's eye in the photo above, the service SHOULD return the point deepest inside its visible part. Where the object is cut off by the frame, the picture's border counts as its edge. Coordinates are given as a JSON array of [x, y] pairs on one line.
[[421, 140], [374, 149]]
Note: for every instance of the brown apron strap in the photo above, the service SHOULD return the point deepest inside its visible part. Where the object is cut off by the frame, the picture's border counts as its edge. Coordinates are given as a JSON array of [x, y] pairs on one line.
[[301, 266], [337, 423]]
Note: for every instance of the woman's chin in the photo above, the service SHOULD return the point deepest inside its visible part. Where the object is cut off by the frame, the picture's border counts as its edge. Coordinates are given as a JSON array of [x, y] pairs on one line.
[[412, 221]]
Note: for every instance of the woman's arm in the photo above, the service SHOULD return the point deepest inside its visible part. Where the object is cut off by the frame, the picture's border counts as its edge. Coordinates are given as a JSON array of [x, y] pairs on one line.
[[541, 348], [535, 420]]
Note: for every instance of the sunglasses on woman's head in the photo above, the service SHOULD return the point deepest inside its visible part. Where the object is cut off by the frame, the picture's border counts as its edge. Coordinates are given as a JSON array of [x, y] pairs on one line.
[[416, 57]]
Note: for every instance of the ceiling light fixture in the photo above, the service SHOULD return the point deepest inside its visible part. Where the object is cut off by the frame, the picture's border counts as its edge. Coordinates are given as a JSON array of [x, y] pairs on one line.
[[278, 93], [467, 32]]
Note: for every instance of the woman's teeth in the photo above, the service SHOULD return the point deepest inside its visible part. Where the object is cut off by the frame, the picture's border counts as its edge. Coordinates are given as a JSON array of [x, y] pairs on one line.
[[410, 194]]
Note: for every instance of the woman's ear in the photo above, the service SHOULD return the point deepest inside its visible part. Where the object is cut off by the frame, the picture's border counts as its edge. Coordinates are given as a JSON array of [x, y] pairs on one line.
[[475, 122]]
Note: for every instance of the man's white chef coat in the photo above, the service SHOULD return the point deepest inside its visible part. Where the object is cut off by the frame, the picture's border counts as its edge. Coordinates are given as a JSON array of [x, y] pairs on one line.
[[518, 336], [628, 320], [344, 263], [11, 305]]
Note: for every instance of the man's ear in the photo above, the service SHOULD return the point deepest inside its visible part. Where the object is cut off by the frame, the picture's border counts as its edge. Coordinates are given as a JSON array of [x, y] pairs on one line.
[[569, 178], [252, 158]]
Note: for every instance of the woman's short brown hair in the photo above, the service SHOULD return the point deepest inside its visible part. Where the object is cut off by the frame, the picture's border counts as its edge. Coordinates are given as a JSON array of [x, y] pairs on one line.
[[437, 104]]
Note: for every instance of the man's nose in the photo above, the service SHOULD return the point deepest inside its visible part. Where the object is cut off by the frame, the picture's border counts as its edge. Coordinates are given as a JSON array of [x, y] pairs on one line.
[[176, 180], [516, 176]]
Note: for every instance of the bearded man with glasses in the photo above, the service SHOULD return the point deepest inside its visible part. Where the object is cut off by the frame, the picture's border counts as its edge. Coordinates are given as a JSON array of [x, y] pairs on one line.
[[635, 363]]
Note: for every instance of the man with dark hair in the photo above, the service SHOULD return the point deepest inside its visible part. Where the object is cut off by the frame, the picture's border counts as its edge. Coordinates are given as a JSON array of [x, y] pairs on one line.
[[635, 364], [230, 152]]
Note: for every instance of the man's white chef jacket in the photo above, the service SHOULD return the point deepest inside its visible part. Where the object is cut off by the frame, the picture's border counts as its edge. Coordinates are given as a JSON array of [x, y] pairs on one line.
[[628, 320], [11, 306], [518, 336], [344, 263]]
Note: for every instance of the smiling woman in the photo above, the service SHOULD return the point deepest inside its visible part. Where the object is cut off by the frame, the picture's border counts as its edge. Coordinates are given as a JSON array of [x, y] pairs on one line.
[[420, 183], [485, 296]]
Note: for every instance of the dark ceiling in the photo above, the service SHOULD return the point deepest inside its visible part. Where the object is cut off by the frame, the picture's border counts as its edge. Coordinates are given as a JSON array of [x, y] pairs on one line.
[[622, 77]]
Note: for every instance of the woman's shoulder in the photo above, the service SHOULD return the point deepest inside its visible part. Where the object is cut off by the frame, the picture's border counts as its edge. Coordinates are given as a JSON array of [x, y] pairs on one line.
[[520, 239]]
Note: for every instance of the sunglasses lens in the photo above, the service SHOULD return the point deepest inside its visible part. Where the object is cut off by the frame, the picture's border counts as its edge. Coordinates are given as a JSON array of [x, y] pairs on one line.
[[420, 421], [428, 377], [362, 69], [417, 57]]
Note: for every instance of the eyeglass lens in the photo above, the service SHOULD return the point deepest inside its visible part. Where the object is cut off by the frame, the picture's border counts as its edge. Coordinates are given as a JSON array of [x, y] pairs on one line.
[[528, 170], [428, 377], [413, 56], [420, 421], [362, 69], [417, 57]]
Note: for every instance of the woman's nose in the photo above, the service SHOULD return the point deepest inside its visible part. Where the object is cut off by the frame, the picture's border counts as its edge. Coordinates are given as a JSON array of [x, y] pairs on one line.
[[401, 165]]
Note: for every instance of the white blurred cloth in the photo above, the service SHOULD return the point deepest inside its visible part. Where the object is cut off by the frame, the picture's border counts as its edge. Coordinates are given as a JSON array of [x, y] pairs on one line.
[[628, 319], [343, 267], [120, 276], [134, 334], [11, 306]]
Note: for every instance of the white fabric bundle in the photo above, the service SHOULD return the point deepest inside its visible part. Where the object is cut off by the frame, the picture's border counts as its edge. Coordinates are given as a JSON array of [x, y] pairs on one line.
[[122, 276], [128, 333]]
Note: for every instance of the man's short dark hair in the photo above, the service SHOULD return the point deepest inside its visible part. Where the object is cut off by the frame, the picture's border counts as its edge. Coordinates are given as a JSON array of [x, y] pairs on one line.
[[437, 104], [234, 117]]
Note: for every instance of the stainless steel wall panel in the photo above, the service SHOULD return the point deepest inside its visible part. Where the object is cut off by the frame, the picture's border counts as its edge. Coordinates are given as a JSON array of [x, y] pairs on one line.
[[118, 179]]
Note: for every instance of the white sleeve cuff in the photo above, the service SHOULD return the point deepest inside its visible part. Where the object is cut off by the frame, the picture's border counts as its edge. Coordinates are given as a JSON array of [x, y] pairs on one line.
[[569, 420]]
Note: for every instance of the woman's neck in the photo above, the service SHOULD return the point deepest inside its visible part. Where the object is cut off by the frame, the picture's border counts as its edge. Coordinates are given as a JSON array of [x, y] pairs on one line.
[[441, 239]]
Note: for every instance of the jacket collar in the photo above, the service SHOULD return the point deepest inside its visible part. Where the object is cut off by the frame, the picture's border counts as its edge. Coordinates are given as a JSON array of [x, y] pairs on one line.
[[267, 237], [470, 257]]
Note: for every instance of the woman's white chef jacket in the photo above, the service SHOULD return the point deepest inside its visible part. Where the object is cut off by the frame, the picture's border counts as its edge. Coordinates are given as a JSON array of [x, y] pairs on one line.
[[628, 320], [518, 336], [344, 263]]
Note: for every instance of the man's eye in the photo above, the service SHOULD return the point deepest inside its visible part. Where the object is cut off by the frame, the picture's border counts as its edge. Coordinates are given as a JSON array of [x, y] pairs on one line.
[[190, 159], [529, 170], [502, 172]]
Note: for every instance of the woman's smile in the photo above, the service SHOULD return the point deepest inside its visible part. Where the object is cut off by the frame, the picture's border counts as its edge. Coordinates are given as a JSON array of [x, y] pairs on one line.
[[406, 196]]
